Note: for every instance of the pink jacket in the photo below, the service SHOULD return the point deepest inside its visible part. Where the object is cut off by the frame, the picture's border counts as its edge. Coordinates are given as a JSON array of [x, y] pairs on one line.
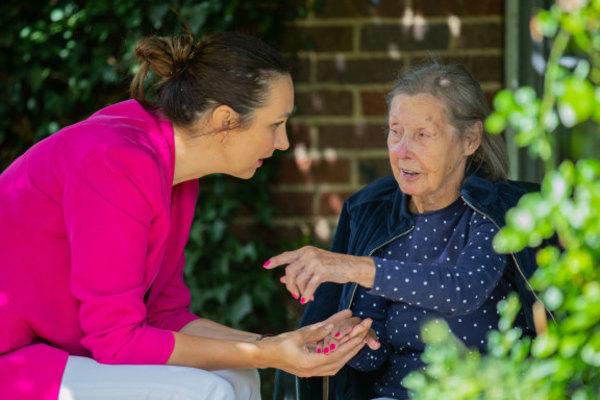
[[91, 250]]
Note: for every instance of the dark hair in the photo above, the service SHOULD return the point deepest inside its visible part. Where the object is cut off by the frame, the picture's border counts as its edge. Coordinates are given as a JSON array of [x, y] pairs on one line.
[[465, 105], [227, 68]]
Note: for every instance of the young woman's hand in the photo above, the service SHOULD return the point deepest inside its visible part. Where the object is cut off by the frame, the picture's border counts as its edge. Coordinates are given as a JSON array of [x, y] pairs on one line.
[[294, 352]]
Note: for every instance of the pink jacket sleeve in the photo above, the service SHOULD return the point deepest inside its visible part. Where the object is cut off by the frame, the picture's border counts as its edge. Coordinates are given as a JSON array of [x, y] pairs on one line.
[[170, 310], [108, 210]]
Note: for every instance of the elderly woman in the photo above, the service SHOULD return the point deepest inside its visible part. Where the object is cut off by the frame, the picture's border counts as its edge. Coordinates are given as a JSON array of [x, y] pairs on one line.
[[417, 245]]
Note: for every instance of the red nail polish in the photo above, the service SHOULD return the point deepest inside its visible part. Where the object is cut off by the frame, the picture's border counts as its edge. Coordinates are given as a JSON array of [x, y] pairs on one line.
[[332, 347], [325, 350], [337, 334], [294, 295], [266, 264], [318, 350], [302, 300]]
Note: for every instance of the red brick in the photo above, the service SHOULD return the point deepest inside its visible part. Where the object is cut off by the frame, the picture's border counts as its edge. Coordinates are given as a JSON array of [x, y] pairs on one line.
[[324, 102], [300, 69], [373, 104], [293, 236], [276, 237], [373, 169], [489, 95], [429, 8], [358, 136], [293, 204], [298, 134], [404, 38], [323, 231], [331, 203], [317, 171], [373, 70], [361, 8], [330, 38], [486, 35]]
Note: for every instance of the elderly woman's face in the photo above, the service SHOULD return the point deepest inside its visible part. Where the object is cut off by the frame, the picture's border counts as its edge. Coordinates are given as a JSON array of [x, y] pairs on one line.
[[427, 158]]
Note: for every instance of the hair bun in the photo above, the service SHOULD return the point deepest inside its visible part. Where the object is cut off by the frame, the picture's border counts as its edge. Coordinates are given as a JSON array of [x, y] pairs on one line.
[[166, 57]]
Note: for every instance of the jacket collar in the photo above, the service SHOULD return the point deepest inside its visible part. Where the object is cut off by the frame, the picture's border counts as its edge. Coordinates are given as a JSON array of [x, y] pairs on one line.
[[479, 192], [400, 219]]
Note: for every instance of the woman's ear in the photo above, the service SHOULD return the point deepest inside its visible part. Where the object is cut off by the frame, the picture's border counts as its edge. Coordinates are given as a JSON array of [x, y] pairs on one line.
[[223, 119], [473, 138]]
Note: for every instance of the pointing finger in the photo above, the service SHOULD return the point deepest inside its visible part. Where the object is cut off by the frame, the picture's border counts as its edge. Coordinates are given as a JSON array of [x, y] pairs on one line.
[[286, 257]]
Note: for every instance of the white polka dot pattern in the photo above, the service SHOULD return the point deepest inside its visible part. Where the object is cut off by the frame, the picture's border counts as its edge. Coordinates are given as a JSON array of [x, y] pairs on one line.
[[445, 268]]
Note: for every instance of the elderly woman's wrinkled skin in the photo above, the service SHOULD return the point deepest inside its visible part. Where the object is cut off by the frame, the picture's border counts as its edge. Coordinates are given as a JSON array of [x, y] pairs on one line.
[[427, 157]]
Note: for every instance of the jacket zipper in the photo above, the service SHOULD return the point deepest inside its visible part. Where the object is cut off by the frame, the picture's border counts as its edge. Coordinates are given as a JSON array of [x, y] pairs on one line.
[[513, 257], [326, 378], [374, 250]]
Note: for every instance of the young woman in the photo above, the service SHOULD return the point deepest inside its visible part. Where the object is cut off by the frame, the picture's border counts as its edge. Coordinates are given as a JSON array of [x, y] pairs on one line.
[[94, 220]]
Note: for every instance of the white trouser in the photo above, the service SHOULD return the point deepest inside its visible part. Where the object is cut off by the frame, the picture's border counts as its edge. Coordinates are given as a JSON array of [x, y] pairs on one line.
[[86, 379]]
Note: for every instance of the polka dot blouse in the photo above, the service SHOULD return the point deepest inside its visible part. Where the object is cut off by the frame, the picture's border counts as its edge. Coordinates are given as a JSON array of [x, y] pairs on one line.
[[444, 268]]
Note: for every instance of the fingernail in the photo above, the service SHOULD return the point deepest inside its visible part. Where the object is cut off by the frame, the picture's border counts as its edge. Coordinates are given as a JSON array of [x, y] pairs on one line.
[[337, 334], [266, 264], [302, 300], [325, 350], [312, 299], [318, 350], [332, 347], [294, 295]]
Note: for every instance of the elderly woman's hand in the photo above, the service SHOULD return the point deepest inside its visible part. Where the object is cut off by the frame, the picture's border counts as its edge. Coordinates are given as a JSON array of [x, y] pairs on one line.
[[309, 266], [346, 330], [294, 352]]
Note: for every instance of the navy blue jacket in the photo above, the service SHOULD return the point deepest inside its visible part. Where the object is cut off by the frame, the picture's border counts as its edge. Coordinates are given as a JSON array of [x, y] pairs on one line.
[[371, 218]]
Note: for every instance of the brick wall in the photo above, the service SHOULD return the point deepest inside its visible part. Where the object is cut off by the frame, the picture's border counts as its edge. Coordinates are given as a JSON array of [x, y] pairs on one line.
[[345, 56]]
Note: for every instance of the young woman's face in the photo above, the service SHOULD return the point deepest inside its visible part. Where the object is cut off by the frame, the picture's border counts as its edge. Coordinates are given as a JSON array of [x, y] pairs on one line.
[[427, 157], [250, 145]]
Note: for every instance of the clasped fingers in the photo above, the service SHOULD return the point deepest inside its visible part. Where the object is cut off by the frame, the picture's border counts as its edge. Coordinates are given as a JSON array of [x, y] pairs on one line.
[[315, 364]]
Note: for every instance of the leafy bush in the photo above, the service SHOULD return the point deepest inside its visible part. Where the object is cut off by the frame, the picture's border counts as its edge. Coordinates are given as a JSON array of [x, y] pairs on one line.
[[563, 360]]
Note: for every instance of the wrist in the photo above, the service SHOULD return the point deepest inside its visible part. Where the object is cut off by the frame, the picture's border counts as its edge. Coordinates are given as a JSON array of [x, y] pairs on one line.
[[366, 274], [266, 355]]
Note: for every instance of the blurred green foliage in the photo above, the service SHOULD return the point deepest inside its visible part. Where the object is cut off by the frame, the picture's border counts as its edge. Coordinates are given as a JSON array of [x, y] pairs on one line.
[[563, 360], [61, 60]]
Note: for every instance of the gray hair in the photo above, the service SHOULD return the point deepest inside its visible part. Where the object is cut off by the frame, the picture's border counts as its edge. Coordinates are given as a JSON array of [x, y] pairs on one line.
[[465, 106]]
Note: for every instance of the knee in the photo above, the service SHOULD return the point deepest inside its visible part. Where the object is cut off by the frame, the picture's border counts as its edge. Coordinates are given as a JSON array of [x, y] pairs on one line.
[[204, 385], [245, 382], [251, 380], [216, 388]]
